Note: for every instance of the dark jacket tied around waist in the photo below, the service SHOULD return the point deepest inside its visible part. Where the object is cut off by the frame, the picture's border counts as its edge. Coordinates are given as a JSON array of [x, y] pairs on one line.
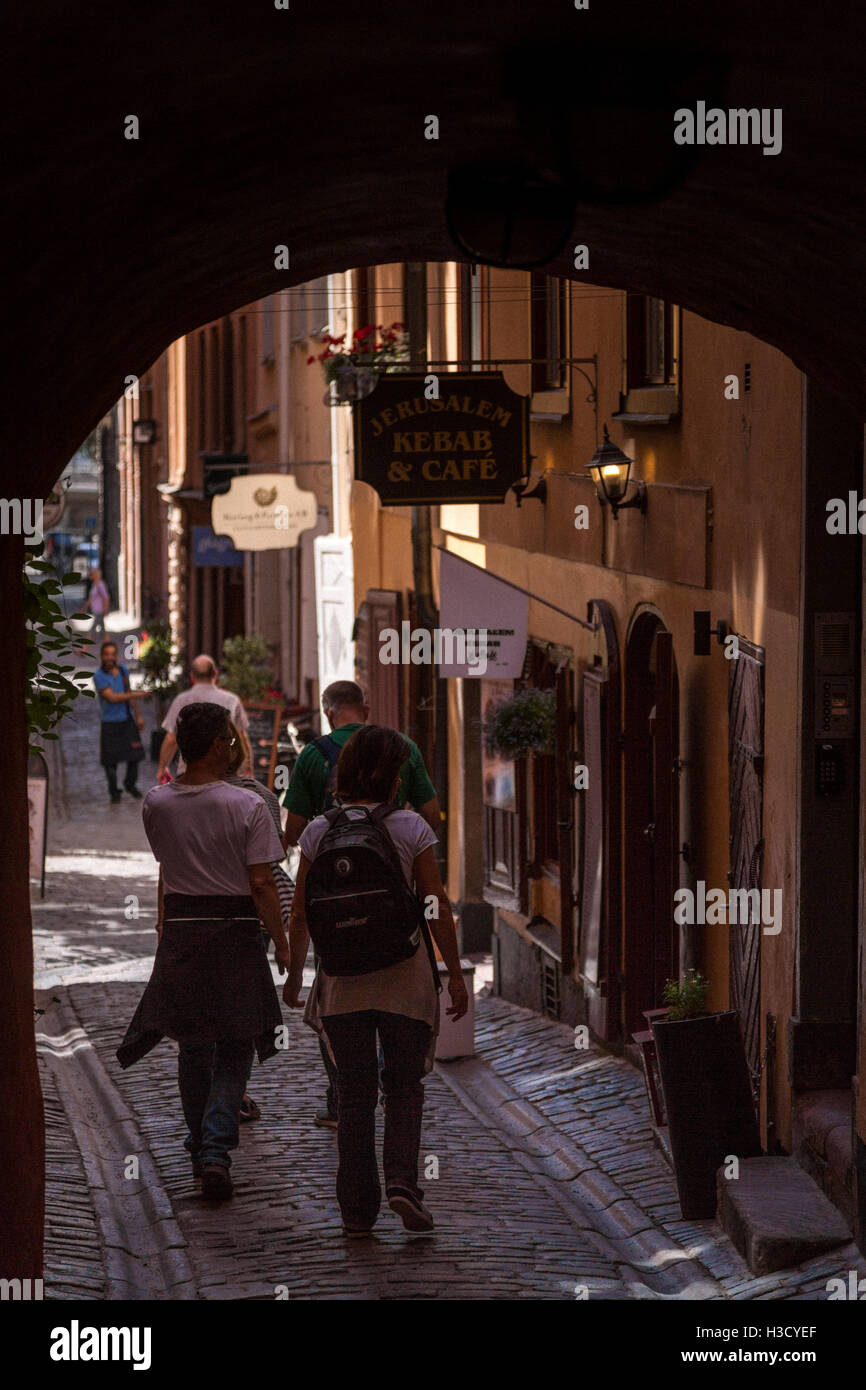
[[210, 981]]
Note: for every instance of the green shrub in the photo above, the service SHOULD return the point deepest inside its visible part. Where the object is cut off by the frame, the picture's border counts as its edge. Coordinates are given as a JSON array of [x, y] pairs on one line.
[[246, 668], [686, 998]]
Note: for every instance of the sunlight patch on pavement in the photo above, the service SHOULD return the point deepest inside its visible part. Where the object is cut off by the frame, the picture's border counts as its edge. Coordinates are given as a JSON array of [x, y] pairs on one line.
[[125, 865]]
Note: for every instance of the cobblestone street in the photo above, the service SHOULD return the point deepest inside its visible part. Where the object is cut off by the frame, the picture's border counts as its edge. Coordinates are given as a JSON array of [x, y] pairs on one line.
[[548, 1186]]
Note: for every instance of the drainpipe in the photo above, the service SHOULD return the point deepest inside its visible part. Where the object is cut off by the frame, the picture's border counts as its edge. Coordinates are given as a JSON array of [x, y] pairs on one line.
[[431, 717]]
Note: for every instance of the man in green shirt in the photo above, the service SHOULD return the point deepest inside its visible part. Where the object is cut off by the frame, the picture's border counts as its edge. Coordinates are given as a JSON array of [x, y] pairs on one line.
[[346, 711], [304, 799]]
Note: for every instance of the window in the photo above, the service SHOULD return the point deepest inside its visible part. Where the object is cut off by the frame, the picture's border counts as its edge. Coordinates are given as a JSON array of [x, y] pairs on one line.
[[541, 674], [203, 440], [501, 798], [548, 332], [468, 316], [268, 330], [365, 296], [652, 333]]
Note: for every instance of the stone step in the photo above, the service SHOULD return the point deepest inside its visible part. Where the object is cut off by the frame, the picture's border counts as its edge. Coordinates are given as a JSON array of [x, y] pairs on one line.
[[776, 1215]]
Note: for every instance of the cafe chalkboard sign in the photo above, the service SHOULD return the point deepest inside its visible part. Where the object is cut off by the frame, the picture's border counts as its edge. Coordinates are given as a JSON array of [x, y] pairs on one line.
[[469, 443], [263, 731]]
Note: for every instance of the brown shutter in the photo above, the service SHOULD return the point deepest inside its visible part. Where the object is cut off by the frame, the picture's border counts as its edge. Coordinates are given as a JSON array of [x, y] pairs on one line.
[[592, 886], [666, 797], [565, 813], [746, 777]]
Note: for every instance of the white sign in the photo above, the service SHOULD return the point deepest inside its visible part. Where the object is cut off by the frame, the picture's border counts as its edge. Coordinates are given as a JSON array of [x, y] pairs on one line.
[[335, 609], [264, 511], [469, 597], [36, 810]]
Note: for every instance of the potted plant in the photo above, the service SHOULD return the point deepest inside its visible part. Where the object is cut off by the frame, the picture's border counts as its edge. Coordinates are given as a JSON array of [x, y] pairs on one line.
[[707, 1095], [352, 372], [526, 723], [156, 659], [246, 668]]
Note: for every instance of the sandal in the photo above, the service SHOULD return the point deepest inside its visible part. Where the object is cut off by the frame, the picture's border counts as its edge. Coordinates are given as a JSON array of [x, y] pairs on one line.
[[248, 1109]]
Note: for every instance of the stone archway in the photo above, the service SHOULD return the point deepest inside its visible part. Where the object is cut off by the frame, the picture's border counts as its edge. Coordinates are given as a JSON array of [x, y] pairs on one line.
[[305, 127]]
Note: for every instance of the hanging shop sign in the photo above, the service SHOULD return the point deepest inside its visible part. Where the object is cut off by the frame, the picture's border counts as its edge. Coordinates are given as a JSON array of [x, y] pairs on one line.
[[264, 511], [493, 615], [208, 549], [469, 444]]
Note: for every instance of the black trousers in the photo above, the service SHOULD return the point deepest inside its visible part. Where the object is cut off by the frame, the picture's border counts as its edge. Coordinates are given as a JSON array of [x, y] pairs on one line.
[[405, 1043], [130, 781]]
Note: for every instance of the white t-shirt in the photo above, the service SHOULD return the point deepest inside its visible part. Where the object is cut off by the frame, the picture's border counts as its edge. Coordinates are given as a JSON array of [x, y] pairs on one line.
[[204, 692], [409, 831], [205, 836]]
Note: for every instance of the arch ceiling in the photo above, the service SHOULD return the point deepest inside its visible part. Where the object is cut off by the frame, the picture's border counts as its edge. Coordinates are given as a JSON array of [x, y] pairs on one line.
[[305, 126]]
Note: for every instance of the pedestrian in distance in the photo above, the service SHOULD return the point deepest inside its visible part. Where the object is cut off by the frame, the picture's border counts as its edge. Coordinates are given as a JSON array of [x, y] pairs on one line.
[[203, 675], [120, 724], [98, 601], [211, 987], [311, 792], [365, 868], [285, 888]]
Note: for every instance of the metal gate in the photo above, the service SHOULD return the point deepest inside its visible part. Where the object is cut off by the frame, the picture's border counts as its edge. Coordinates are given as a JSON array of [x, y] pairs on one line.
[[746, 774]]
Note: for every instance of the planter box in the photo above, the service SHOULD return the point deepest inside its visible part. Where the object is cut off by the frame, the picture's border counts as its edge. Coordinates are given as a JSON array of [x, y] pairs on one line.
[[708, 1102]]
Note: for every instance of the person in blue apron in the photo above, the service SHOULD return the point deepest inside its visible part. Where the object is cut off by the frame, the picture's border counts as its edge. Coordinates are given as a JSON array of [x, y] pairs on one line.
[[120, 723]]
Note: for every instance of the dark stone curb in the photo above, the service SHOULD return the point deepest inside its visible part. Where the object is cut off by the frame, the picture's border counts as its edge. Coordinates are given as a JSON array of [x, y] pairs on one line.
[[145, 1254], [619, 1229]]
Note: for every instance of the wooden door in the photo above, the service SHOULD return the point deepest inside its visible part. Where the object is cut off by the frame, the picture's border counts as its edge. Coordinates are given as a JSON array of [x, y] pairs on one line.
[[746, 778], [651, 817], [380, 682]]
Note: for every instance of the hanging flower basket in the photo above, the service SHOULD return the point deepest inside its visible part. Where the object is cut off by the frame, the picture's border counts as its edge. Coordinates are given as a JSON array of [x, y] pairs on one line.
[[353, 371], [351, 384], [524, 724]]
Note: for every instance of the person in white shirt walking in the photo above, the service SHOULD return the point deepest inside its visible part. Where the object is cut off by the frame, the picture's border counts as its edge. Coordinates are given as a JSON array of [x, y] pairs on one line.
[[203, 674], [211, 987]]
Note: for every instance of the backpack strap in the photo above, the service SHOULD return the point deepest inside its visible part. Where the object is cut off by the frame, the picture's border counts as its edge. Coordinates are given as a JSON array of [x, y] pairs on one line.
[[376, 817], [328, 747]]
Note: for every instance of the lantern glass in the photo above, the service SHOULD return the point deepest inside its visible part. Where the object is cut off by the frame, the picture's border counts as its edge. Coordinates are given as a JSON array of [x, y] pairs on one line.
[[614, 480]]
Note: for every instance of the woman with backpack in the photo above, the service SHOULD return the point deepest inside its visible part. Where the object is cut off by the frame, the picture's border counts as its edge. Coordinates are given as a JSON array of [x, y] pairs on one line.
[[377, 973]]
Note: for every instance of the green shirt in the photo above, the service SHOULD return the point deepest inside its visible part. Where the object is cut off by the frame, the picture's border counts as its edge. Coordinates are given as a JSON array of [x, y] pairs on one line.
[[305, 794]]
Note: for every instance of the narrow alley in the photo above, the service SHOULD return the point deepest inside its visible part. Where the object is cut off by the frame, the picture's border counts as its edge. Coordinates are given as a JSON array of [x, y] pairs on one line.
[[536, 1158]]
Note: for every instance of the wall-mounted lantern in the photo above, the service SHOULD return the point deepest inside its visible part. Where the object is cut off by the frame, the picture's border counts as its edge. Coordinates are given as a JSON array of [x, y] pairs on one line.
[[610, 469], [143, 432]]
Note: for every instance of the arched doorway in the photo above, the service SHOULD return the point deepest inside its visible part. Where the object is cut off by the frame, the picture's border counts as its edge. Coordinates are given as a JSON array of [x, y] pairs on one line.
[[651, 840]]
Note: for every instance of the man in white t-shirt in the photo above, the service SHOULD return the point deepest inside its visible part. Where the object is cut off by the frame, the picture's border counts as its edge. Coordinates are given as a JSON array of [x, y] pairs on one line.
[[211, 987], [203, 686]]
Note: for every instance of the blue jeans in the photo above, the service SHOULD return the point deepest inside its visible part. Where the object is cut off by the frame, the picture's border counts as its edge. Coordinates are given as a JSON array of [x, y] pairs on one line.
[[212, 1077]]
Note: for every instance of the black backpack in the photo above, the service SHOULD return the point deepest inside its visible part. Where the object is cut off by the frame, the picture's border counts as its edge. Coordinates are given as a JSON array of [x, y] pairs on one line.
[[361, 913]]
